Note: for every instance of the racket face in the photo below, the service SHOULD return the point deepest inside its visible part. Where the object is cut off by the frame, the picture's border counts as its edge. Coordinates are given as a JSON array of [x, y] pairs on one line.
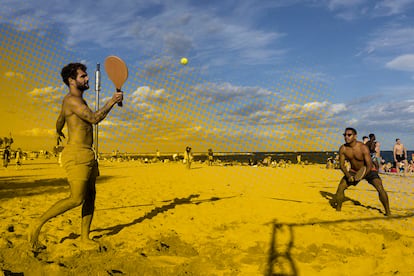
[[116, 70], [360, 173]]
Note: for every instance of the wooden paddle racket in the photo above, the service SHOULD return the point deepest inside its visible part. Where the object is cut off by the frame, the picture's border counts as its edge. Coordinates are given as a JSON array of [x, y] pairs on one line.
[[360, 173], [117, 72]]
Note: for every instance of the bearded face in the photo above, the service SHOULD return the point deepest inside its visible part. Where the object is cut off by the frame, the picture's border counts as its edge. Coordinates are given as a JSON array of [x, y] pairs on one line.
[[82, 80]]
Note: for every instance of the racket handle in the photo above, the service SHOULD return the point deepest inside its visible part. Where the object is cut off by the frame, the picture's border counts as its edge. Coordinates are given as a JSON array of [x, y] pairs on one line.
[[120, 103]]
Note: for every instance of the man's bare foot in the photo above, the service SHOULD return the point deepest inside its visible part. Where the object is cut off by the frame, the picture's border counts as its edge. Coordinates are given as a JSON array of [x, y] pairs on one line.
[[32, 237]]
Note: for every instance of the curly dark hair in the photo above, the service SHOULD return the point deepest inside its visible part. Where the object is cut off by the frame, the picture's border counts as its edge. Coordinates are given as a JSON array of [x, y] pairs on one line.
[[71, 71], [351, 129]]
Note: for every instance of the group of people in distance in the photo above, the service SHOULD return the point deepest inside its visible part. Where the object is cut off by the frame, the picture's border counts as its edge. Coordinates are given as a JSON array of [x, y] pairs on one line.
[[8, 154], [80, 160], [399, 155]]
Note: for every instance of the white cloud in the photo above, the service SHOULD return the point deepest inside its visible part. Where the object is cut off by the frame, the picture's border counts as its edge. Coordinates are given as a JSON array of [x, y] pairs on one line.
[[11, 74], [176, 28], [338, 108], [150, 94], [356, 9], [403, 63], [49, 95], [39, 132], [392, 7], [391, 39], [227, 92]]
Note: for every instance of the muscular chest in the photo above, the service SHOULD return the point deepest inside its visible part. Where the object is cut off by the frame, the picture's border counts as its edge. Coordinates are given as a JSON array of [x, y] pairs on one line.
[[352, 154]]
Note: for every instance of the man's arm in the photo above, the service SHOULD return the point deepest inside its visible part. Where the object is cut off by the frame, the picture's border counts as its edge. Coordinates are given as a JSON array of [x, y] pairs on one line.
[[367, 159], [79, 107], [405, 152], [393, 152], [60, 123], [342, 162]]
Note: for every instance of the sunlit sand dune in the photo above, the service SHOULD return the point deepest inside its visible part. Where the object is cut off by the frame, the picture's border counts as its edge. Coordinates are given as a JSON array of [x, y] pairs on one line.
[[162, 219]]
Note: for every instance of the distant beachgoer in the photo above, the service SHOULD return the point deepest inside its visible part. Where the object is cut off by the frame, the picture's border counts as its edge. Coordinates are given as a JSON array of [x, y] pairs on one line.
[[365, 139], [267, 161], [387, 167], [371, 144], [299, 158], [188, 157], [358, 156], [78, 157], [411, 166], [6, 156], [175, 156], [330, 162], [210, 157], [400, 155], [18, 157], [378, 158]]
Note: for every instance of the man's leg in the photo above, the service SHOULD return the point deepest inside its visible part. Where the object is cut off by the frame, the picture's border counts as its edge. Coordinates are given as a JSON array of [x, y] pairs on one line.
[[88, 209], [383, 197], [77, 195], [340, 195], [405, 167]]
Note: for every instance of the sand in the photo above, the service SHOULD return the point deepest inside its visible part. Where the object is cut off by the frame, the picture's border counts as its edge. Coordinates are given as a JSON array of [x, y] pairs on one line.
[[162, 219]]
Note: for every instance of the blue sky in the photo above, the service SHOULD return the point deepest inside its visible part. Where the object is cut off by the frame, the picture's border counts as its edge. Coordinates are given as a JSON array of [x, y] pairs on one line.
[[356, 58]]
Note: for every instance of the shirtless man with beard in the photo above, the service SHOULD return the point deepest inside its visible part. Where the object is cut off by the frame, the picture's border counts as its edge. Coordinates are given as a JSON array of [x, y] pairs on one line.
[[78, 157]]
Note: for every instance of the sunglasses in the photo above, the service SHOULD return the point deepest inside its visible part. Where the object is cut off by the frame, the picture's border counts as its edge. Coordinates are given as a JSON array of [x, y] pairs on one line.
[[348, 134]]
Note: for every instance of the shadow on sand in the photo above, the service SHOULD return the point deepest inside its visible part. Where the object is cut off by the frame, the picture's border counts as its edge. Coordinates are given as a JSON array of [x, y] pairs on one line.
[[21, 186], [113, 230], [280, 260], [331, 198]]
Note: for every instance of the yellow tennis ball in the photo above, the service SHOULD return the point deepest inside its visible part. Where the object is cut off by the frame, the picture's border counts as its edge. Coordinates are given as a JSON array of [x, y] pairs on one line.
[[184, 61]]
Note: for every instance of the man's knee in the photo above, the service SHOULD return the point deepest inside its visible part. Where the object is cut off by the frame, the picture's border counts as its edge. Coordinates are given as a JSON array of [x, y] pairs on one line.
[[377, 183], [78, 192], [77, 200]]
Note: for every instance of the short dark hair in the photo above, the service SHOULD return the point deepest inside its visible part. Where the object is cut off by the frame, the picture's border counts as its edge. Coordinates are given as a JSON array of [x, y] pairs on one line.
[[71, 71], [397, 139], [351, 129], [364, 137], [371, 135]]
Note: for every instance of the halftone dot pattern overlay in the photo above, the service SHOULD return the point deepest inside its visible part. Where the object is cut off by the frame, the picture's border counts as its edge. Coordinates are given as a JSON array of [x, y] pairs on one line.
[[31, 84], [168, 105]]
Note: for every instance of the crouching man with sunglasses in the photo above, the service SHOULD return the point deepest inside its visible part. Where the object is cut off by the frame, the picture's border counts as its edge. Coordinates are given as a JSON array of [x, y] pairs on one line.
[[357, 153]]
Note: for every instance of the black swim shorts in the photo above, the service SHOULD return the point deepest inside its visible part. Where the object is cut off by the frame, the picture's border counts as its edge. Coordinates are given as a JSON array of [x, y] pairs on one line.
[[400, 157], [369, 177]]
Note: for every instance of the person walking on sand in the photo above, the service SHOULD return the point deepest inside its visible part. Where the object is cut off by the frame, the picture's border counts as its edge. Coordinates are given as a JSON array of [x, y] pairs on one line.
[[210, 157], [400, 155], [78, 157], [18, 158], [358, 156], [372, 146], [6, 156], [188, 157]]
